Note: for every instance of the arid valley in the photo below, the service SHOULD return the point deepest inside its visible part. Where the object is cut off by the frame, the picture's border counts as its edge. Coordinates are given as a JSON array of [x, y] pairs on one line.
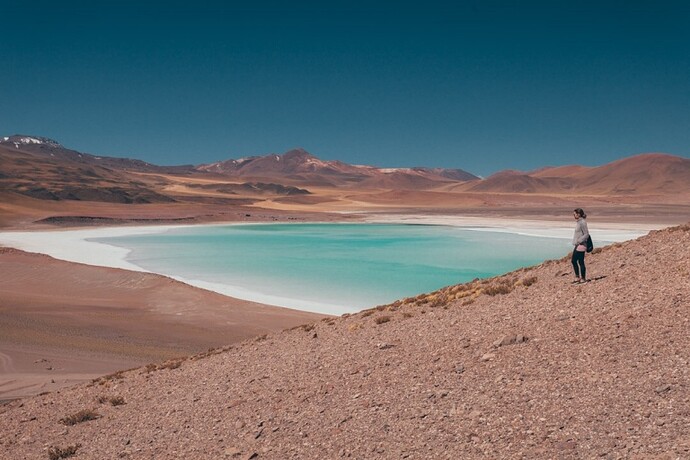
[[523, 365]]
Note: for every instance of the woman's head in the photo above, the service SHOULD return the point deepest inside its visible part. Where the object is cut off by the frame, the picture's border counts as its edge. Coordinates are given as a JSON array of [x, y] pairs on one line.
[[578, 212]]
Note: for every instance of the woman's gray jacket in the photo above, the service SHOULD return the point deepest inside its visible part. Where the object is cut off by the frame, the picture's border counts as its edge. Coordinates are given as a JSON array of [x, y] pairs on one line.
[[581, 232]]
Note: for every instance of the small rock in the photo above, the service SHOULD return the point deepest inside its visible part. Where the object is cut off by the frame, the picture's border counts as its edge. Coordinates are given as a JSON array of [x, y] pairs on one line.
[[662, 389], [509, 340], [487, 357], [232, 452], [459, 369], [384, 346], [566, 445]]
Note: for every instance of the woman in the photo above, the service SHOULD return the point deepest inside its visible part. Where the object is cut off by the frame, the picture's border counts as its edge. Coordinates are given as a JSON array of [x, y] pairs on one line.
[[579, 241]]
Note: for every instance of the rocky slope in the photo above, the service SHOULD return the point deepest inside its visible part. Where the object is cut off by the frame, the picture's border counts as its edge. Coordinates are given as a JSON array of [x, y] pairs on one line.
[[525, 365]]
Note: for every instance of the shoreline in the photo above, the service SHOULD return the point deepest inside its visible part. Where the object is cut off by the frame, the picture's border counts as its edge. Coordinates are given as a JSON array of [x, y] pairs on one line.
[[76, 245]]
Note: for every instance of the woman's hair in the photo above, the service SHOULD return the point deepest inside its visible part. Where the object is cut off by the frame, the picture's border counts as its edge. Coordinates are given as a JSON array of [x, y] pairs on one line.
[[580, 213]]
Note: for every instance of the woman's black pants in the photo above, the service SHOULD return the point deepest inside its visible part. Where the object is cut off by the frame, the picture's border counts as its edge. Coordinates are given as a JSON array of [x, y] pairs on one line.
[[579, 264]]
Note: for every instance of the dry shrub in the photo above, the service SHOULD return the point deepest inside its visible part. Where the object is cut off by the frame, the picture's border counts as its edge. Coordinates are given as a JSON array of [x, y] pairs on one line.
[[114, 376], [462, 294], [174, 363], [468, 301], [81, 416], [113, 400], [307, 327], [407, 314], [382, 319], [354, 326], [439, 300], [116, 401], [366, 313], [207, 353], [57, 453], [529, 281], [497, 289], [150, 367]]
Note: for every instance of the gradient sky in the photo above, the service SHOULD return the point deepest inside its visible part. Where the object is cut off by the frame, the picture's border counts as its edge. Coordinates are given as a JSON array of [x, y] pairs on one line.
[[482, 86]]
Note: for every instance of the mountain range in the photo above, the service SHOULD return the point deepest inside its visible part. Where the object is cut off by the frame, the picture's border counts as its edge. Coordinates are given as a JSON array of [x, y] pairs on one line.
[[36, 169]]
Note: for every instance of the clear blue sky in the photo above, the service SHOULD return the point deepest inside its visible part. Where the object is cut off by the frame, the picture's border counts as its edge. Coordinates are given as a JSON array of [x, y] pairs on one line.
[[482, 85]]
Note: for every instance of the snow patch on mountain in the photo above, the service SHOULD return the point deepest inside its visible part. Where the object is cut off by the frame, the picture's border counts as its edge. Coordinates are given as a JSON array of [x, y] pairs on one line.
[[21, 139]]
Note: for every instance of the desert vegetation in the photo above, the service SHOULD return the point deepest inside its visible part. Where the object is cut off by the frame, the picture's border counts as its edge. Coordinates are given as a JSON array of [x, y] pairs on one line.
[[79, 417], [58, 453]]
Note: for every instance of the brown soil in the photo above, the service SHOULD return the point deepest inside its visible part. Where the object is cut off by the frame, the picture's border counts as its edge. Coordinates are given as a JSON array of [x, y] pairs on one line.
[[61, 322]]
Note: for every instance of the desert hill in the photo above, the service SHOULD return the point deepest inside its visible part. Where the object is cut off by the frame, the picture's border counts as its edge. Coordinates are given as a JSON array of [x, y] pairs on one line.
[[525, 365], [43, 147], [651, 173], [47, 171]]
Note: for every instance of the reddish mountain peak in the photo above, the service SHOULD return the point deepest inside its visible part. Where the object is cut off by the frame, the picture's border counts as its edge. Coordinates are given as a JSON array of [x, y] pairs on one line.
[[299, 165], [298, 153], [648, 158], [507, 173], [558, 171]]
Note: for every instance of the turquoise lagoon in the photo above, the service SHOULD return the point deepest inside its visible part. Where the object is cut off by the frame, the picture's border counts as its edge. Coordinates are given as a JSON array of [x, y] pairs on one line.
[[332, 268]]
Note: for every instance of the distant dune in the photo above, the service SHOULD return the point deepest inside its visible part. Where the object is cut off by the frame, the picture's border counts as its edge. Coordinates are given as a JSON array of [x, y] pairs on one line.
[[524, 365]]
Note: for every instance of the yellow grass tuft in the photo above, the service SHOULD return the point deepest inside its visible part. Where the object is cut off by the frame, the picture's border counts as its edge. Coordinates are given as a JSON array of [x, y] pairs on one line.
[[382, 319], [354, 326], [57, 453], [529, 281], [79, 417]]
